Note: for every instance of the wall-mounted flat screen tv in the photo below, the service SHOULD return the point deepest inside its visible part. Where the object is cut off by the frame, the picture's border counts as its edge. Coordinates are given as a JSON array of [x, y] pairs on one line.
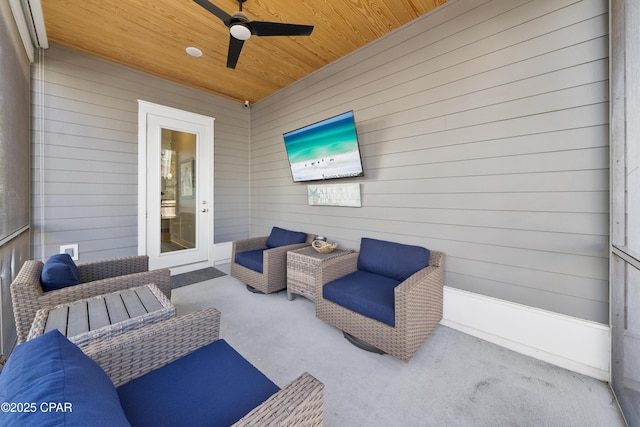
[[327, 149]]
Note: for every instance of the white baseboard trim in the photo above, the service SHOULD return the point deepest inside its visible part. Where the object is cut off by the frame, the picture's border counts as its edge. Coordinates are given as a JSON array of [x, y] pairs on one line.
[[222, 253], [571, 343]]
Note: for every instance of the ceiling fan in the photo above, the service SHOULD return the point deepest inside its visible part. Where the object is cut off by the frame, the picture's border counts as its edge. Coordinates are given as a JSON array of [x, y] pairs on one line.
[[240, 29]]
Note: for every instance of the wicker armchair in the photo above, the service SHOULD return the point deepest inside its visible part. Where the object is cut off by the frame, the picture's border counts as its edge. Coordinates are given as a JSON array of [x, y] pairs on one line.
[[418, 309], [96, 278], [135, 353], [274, 263]]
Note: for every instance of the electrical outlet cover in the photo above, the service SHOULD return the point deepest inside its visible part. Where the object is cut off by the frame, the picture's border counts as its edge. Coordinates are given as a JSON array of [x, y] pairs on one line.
[[72, 250]]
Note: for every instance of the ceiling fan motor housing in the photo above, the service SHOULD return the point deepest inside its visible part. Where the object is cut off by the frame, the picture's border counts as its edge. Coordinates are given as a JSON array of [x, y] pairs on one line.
[[239, 26]]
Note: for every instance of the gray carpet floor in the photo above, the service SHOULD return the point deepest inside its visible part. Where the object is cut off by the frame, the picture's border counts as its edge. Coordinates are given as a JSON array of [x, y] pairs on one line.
[[454, 379]]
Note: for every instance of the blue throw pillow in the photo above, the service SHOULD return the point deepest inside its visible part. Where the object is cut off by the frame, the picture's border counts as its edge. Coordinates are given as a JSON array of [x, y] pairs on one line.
[[281, 237], [393, 260], [59, 272], [49, 381]]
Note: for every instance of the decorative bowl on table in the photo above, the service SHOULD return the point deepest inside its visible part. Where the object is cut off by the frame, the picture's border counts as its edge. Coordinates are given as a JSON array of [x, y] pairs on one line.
[[323, 247]]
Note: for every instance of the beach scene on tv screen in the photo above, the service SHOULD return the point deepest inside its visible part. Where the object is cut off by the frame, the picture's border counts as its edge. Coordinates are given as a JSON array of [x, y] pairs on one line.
[[325, 150]]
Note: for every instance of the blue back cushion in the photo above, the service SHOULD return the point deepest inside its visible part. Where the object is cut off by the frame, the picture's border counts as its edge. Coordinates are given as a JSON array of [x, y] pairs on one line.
[[394, 260], [251, 259], [59, 272], [51, 368], [213, 386], [281, 237], [369, 294]]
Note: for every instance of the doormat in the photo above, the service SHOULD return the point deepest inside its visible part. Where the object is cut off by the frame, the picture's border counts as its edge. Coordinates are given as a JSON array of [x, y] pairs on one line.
[[184, 279]]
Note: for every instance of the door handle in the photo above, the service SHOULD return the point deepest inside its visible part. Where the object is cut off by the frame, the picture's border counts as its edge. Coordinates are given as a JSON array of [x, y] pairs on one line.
[[205, 210]]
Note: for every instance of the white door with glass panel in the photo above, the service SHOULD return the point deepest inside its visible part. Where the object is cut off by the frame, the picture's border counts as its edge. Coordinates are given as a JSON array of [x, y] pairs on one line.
[[176, 228]]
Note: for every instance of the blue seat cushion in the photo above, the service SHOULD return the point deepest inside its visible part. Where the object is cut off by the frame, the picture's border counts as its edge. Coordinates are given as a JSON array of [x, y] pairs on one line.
[[251, 259], [281, 237], [394, 260], [213, 386], [51, 368], [59, 272], [366, 293]]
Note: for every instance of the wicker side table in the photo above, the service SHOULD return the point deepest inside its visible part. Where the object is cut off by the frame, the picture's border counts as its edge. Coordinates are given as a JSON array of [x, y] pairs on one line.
[[303, 268]]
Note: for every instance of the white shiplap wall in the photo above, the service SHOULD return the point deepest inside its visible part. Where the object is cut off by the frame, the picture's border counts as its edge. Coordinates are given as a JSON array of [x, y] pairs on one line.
[[484, 134], [85, 154]]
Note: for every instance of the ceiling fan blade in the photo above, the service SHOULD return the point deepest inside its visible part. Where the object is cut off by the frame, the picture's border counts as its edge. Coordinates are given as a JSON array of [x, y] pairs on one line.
[[261, 28], [235, 47], [224, 16]]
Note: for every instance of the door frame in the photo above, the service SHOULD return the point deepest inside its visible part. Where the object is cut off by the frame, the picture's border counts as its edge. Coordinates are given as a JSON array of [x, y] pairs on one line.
[[145, 109]]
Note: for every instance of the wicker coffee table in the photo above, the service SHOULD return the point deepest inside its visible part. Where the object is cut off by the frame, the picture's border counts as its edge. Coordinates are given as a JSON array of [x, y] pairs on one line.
[[92, 319], [303, 269]]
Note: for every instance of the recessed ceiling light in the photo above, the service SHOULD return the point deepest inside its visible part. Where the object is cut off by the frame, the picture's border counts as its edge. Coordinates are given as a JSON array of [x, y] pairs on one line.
[[194, 51]]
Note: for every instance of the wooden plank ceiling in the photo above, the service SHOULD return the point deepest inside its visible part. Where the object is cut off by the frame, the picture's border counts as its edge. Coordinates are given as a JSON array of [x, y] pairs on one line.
[[151, 36]]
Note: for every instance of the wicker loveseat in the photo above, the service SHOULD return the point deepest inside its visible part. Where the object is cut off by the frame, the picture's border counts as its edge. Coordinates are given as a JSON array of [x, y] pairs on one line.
[[96, 278], [261, 262], [386, 298], [175, 372]]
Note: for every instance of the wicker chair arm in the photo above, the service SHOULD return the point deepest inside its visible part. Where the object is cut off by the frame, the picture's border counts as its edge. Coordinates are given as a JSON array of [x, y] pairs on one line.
[[130, 355], [282, 250], [248, 244], [436, 258], [420, 295], [275, 259], [27, 282], [105, 269], [25, 292], [300, 403], [421, 276]]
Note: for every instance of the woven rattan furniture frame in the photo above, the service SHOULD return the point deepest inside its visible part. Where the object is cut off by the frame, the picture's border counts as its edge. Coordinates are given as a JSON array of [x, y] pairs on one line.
[[160, 309], [274, 264], [418, 308], [303, 270], [133, 354], [96, 278]]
